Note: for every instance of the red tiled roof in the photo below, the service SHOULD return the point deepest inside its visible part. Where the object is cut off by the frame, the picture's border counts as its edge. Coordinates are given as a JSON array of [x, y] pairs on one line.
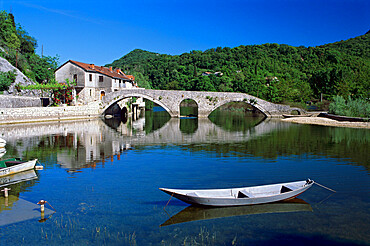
[[113, 73], [132, 77]]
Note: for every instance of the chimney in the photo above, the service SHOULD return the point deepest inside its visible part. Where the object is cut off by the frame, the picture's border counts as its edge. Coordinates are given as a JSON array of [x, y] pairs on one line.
[[111, 69], [92, 66], [118, 70]]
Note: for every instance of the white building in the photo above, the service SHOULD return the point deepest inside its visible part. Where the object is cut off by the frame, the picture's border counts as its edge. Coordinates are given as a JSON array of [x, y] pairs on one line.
[[93, 82]]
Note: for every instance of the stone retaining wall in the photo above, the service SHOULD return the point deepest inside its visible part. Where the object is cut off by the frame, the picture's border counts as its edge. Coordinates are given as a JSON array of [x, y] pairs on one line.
[[19, 101], [40, 114]]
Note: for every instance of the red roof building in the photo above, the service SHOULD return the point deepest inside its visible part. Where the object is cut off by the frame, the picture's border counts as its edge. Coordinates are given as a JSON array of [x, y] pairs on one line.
[[92, 81]]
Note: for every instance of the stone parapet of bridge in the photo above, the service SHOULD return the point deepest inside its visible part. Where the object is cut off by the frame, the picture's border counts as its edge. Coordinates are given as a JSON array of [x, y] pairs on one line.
[[207, 102]]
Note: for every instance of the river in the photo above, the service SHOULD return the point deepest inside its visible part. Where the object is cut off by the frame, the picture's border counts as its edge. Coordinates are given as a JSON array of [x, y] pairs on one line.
[[102, 178]]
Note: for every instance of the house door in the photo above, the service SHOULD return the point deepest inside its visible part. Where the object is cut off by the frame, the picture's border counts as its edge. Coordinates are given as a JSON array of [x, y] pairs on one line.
[[102, 94]]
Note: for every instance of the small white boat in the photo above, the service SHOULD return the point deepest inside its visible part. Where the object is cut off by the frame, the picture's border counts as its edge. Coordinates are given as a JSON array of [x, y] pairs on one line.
[[2, 143], [241, 196], [15, 165]]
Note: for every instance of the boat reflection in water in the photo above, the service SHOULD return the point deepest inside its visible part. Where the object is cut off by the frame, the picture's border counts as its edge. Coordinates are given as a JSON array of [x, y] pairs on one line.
[[194, 213], [18, 177]]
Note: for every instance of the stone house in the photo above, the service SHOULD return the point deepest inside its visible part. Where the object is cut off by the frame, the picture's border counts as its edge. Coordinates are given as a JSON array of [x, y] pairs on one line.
[[206, 73], [93, 82], [218, 74]]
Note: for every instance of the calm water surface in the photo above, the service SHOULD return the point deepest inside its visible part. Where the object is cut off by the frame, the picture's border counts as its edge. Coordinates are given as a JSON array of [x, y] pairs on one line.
[[106, 194]]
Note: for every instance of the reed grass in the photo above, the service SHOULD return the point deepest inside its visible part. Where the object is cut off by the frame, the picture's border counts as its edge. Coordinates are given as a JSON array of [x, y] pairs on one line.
[[204, 237], [63, 230], [350, 107]]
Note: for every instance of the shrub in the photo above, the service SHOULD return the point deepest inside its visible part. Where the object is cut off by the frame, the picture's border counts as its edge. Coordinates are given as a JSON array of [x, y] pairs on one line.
[[358, 108], [339, 106], [6, 79], [352, 108]]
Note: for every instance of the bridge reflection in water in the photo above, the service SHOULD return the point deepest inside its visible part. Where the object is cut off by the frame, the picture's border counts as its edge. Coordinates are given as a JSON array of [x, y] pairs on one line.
[[84, 144]]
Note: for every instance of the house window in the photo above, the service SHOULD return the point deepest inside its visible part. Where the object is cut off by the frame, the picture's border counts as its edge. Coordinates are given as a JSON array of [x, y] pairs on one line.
[[90, 77], [101, 79], [75, 78]]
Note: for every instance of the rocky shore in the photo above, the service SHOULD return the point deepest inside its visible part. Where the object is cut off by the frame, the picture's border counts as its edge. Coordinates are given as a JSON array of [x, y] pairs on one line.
[[327, 122]]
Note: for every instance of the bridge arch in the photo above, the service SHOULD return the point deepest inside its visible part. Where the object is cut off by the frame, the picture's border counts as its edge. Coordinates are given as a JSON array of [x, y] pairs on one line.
[[120, 98], [207, 101], [187, 100], [254, 105]]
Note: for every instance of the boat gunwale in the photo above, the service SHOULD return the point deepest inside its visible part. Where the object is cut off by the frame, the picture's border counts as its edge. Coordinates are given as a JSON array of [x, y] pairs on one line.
[[173, 191], [11, 168]]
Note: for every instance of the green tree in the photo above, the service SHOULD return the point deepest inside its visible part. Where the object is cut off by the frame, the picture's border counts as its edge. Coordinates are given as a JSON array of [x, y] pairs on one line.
[[203, 83], [6, 79], [28, 44], [43, 67], [8, 33]]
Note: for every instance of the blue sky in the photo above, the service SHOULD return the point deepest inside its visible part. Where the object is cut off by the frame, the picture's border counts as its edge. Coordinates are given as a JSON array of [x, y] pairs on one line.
[[102, 31]]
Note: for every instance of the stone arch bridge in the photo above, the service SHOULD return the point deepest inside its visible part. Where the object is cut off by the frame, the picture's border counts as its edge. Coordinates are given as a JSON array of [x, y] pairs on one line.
[[207, 101]]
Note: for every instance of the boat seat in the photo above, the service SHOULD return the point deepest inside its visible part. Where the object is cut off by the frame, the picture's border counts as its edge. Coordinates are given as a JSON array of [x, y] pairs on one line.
[[13, 162], [245, 194], [192, 194], [285, 189]]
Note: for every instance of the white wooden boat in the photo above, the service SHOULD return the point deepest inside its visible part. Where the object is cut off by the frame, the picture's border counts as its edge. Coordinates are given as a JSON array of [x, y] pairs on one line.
[[241, 196], [2, 152], [2, 143], [15, 165]]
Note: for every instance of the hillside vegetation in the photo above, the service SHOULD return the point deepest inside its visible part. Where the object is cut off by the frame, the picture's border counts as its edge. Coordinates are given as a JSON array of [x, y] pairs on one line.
[[18, 47], [275, 72]]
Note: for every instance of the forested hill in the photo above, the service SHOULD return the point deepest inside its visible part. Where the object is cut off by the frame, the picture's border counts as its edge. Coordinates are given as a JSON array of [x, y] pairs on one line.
[[275, 72], [359, 46]]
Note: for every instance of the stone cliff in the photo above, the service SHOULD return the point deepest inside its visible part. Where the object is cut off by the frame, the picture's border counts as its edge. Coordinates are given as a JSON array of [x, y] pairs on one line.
[[21, 79]]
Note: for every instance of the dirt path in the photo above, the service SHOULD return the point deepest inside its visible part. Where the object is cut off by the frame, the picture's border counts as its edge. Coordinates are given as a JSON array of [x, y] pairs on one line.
[[327, 122]]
